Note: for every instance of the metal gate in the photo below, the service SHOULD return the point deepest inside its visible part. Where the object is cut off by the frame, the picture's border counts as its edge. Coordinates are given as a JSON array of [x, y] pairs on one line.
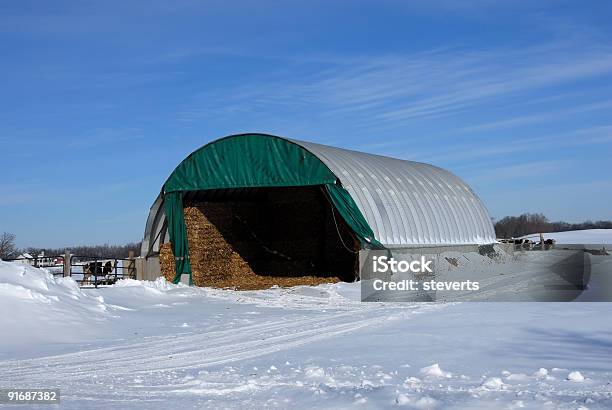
[[87, 271]]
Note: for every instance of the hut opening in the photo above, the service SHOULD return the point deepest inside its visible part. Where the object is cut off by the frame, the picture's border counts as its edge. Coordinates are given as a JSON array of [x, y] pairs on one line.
[[250, 237]]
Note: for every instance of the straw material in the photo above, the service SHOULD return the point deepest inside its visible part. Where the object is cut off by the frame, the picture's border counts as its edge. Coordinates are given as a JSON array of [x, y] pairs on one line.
[[166, 261], [215, 260]]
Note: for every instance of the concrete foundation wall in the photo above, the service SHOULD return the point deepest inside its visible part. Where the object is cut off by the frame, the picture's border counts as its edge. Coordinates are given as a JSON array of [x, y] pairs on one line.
[[148, 268], [434, 249]]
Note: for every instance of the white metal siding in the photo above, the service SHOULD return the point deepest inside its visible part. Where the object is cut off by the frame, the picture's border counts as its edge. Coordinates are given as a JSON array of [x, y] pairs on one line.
[[408, 203]]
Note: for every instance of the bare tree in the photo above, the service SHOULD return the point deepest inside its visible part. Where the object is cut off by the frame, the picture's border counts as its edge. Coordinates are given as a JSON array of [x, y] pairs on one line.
[[7, 245], [514, 226]]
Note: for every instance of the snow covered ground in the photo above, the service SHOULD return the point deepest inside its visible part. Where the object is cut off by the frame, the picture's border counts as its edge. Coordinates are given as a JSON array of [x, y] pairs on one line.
[[586, 236], [153, 345]]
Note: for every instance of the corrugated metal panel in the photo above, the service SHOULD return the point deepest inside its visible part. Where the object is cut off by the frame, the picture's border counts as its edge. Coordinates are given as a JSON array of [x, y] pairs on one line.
[[155, 223], [408, 203]]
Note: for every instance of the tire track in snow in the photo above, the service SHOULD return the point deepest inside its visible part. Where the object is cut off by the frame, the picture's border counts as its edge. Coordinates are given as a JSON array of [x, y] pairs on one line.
[[182, 352], [172, 343]]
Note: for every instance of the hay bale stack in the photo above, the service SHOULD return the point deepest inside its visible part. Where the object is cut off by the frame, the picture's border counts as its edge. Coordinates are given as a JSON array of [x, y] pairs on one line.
[[222, 252], [166, 261], [213, 259]]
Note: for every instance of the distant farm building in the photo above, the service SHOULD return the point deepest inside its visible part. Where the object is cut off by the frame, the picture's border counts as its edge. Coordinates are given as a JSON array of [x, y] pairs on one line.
[[25, 259], [40, 260], [254, 210]]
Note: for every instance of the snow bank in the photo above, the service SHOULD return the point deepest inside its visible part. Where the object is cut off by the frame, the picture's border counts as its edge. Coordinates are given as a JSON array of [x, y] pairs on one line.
[[157, 345], [160, 284], [585, 236], [26, 283], [37, 307], [320, 297]]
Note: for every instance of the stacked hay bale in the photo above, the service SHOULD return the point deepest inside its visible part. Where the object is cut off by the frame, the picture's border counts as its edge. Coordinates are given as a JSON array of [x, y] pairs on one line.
[[214, 262], [166, 261], [223, 252]]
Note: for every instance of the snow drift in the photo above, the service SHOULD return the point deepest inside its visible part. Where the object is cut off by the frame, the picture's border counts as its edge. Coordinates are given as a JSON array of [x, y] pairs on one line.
[[155, 345], [38, 308]]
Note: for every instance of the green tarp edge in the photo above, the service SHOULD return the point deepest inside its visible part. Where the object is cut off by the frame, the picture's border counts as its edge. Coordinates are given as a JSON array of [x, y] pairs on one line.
[[173, 202], [347, 208]]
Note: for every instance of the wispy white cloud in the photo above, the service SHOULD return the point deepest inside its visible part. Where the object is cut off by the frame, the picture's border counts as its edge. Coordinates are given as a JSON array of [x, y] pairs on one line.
[[490, 81], [393, 90], [540, 117], [519, 171], [472, 151]]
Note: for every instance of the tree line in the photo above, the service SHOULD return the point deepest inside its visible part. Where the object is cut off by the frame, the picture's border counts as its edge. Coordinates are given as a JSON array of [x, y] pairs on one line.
[[8, 249], [515, 226]]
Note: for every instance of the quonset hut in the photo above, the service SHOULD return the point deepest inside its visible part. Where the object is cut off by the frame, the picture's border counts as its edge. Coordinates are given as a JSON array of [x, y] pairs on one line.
[[262, 207]]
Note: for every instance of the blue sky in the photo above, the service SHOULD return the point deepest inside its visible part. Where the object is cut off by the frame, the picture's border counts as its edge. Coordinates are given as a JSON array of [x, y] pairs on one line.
[[106, 98]]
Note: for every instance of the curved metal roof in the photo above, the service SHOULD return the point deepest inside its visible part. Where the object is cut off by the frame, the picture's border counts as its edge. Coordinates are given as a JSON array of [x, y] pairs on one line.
[[406, 203]]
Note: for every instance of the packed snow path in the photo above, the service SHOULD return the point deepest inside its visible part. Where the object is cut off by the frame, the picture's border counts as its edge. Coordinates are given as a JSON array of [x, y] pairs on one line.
[[157, 346]]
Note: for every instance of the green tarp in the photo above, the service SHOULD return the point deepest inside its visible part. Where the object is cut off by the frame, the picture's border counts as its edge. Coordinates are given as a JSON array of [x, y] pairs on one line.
[[173, 202], [344, 204], [248, 161], [252, 160]]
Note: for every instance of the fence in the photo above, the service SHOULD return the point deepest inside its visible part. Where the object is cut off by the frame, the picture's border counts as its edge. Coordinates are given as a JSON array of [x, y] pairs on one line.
[[86, 270]]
